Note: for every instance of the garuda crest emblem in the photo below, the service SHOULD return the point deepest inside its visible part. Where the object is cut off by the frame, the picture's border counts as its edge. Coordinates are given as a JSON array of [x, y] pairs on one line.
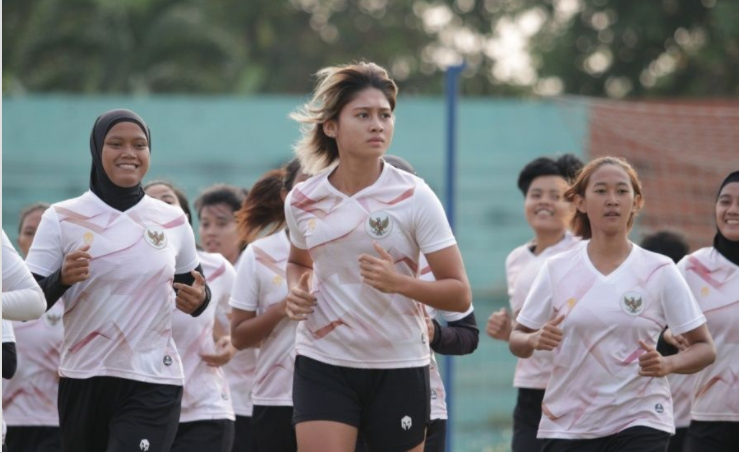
[[154, 235], [379, 225], [632, 303]]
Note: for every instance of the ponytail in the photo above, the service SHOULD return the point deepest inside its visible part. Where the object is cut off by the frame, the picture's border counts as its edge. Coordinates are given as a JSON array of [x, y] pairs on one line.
[[263, 210]]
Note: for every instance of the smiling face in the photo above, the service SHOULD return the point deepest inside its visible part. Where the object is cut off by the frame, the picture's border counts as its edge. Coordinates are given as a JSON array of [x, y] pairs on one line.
[[365, 126], [609, 200], [28, 230], [125, 154], [727, 211], [545, 206]]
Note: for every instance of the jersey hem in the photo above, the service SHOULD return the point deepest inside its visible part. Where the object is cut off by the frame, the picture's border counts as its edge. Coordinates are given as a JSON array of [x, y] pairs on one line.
[[22, 421], [534, 385], [133, 376], [271, 401], [385, 365], [542, 434], [715, 417], [208, 416]]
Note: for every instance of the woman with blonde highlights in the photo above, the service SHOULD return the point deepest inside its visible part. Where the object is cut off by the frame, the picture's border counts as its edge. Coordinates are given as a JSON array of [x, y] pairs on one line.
[[357, 229], [600, 308]]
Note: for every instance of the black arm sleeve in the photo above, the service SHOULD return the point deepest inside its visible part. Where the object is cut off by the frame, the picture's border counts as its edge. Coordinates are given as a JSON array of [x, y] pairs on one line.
[[458, 338], [663, 347], [52, 287], [188, 279], [10, 360]]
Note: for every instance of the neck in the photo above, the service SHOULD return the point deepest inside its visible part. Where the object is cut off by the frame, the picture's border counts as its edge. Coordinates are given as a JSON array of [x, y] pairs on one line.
[[609, 244], [351, 176], [232, 257], [546, 239]]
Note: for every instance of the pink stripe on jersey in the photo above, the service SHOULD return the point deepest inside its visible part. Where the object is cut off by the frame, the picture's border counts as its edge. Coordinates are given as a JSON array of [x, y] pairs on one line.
[[175, 223], [304, 203], [269, 262], [85, 341], [74, 218], [702, 271], [217, 273], [425, 270], [325, 330], [409, 262]]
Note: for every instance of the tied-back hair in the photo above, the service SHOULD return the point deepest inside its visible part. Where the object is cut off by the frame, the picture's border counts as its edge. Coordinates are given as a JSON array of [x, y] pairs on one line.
[[566, 166], [336, 86], [263, 210], [31, 208], [580, 223]]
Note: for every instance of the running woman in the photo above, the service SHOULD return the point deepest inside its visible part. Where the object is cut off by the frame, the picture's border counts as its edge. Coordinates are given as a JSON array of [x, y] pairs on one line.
[[30, 399], [713, 275], [258, 301], [674, 247], [207, 416], [357, 229], [459, 337], [543, 183], [600, 308], [216, 208], [113, 253]]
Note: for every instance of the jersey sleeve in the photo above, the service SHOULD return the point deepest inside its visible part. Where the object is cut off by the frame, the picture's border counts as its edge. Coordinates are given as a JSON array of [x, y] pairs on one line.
[[12, 265], [187, 256], [296, 236], [680, 307], [245, 294], [432, 229], [47, 251], [538, 308]]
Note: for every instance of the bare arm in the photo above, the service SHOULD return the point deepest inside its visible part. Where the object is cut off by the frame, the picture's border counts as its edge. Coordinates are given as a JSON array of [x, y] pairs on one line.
[[249, 329], [300, 301], [697, 356]]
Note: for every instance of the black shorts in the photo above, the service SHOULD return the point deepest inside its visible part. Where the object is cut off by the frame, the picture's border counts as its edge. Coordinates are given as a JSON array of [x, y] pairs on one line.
[[712, 436], [114, 414], [637, 438], [526, 419], [435, 436], [677, 442], [389, 407], [243, 435], [204, 435], [273, 429], [33, 438]]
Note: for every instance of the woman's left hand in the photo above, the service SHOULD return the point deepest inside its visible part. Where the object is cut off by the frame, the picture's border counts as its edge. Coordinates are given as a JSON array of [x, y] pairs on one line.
[[224, 353], [380, 273], [190, 298], [652, 363]]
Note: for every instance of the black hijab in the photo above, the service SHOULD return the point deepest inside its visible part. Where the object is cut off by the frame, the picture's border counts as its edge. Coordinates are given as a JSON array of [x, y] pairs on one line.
[[120, 198], [729, 249]]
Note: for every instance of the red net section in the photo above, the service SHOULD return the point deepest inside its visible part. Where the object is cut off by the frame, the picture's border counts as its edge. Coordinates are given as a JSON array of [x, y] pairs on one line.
[[682, 151]]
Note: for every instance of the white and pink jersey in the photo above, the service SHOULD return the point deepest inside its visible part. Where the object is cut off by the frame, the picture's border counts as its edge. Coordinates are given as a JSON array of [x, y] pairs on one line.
[[242, 368], [30, 398], [522, 267], [206, 395], [595, 389], [355, 325], [263, 284], [681, 387], [118, 322], [715, 283]]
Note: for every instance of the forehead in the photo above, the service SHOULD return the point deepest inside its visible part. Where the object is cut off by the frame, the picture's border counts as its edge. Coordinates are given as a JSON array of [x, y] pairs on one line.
[[731, 189], [33, 217], [218, 210], [126, 129], [548, 182], [609, 174], [369, 98], [160, 190]]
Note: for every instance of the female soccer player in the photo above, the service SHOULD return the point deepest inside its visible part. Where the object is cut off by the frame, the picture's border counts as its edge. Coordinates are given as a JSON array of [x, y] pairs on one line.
[[207, 416], [30, 398], [258, 302], [357, 230], [113, 253], [600, 308], [713, 275], [543, 183], [216, 207]]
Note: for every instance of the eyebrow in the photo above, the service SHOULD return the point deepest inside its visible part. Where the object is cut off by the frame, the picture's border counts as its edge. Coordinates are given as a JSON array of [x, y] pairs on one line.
[[371, 108], [618, 184], [118, 137]]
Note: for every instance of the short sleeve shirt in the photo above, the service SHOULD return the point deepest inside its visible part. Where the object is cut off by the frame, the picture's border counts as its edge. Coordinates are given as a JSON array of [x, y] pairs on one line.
[[595, 389], [118, 322], [355, 325]]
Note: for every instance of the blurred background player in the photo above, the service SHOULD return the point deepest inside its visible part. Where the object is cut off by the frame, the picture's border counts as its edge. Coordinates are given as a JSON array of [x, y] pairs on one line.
[[207, 416], [30, 398], [543, 183]]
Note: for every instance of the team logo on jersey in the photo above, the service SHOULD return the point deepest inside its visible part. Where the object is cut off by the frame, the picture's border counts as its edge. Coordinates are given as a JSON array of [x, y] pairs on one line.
[[52, 319], [705, 291], [312, 224], [224, 396], [658, 408], [423, 337], [632, 303], [406, 423], [154, 235], [88, 237], [433, 394], [571, 302], [379, 225], [144, 445], [167, 360], [277, 280]]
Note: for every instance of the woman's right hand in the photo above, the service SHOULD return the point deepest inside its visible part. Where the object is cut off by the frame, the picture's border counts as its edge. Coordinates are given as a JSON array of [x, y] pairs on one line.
[[549, 336], [300, 301], [500, 325], [76, 266]]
